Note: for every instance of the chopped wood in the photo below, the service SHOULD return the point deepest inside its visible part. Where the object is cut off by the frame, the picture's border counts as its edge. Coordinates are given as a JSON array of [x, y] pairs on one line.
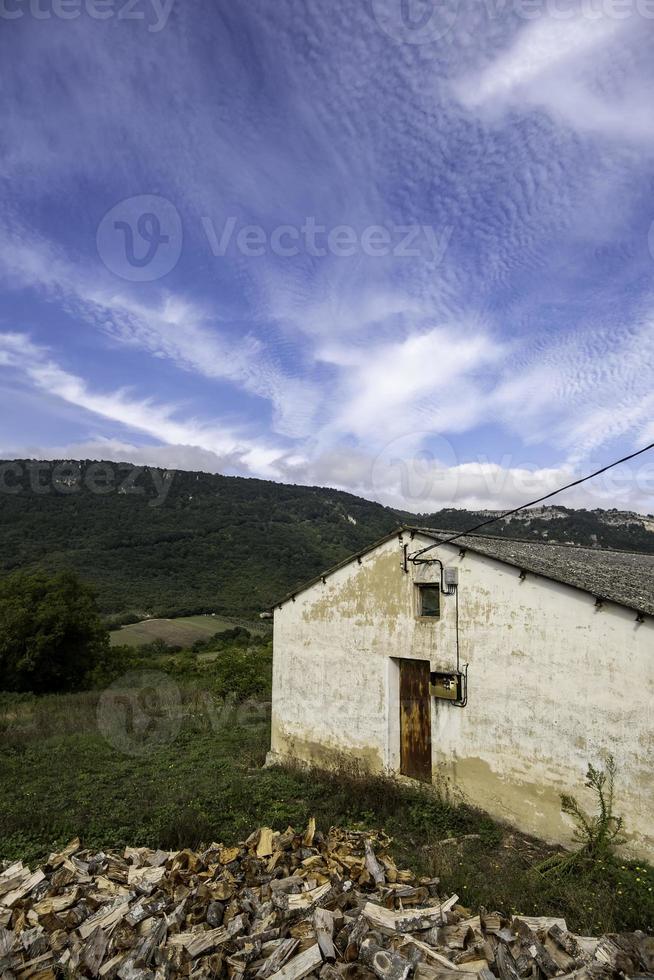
[[323, 923], [543, 922], [433, 955], [94, 951], [276, 960], [301, 965], [589, 944], [279, 906], [309, 833], [307, 899], [355, 938], [386, 964], [106, 917], [141, 877], [568, 943], [414, 920], [373, 865], [505, 964], [533, 949], [427, 971], [265, 845], [196, 943], [23, 889]]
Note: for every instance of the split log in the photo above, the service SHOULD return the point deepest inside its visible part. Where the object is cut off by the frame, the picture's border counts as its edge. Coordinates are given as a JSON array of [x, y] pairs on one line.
[[356, 937], [568, 943], [432, 955], [323, 923], [94, 950], [306, 899], [265, 845], [385, 964], [536, 950], [105, 917], [301, 965], [414, 920], [309, 833], [372, 864], [505, 964], [23, 889], [275, 962], [197, 943]]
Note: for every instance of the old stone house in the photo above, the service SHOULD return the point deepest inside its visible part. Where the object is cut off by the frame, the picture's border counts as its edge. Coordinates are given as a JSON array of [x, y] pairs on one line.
[[504, 667]]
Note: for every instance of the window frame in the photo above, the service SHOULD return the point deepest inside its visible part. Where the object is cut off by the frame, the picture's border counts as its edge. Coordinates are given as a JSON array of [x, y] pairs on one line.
[[422, 587]]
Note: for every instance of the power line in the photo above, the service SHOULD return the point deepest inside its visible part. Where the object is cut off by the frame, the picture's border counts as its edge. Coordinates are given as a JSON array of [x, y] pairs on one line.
[[532, 503]]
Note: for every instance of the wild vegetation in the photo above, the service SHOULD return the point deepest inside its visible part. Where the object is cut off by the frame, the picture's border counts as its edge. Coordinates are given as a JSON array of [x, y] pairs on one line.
[[193, 774], [193, 543]]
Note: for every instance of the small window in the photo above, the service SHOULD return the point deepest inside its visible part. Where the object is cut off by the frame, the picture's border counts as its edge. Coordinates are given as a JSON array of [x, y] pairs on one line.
[[429, 600]]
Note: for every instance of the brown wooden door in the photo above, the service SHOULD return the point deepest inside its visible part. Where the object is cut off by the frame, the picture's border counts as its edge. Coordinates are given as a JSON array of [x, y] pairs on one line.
[[415, 719]]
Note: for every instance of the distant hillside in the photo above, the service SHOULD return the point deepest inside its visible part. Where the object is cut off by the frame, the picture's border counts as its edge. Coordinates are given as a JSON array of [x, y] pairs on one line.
[[223, 544], [619, 530], [219, 544]]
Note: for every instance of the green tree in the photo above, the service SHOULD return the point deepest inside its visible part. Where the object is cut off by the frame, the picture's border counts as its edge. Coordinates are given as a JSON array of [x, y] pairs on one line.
[[51, 635]]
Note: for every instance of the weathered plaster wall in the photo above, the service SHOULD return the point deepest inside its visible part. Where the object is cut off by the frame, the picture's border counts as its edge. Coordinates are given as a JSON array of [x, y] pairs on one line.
[[553, 684]]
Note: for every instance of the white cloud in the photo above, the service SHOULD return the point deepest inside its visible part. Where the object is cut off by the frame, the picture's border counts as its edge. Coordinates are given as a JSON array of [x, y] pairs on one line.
[[422, 482], [168, 326], [562, 66], [582, 391], [141, 415], [541, 47], [429, 379]]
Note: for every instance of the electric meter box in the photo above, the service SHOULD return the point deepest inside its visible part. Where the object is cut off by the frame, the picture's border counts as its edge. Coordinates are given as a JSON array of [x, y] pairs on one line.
[[451, 576], [446, 687]]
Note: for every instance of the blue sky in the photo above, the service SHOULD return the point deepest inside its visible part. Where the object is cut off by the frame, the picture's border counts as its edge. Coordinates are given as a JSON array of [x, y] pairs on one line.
[[399, 247]]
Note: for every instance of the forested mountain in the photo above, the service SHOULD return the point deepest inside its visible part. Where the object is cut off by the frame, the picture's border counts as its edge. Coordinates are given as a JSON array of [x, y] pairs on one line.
[[157, 544]]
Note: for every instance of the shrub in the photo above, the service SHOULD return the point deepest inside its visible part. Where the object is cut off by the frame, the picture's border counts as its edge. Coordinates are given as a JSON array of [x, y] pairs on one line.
[[598, 835], [51, 634], [243, 673]]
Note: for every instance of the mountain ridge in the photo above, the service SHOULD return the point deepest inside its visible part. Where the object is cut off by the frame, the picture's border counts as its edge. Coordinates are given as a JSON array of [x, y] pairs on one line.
[[162, 543]]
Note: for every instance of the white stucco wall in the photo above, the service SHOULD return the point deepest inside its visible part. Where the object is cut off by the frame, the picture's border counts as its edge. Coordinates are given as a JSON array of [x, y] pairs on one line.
[[554, 683]]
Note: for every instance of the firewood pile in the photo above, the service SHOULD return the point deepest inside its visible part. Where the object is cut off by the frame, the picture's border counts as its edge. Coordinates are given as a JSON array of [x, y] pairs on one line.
[[278, 907]]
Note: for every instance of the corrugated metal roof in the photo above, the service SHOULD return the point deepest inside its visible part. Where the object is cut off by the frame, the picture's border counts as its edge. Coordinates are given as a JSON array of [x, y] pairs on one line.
[[615, 576]]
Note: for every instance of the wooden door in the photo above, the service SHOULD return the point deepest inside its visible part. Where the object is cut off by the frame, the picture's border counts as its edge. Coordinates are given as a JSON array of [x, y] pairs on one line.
[[415, 720]]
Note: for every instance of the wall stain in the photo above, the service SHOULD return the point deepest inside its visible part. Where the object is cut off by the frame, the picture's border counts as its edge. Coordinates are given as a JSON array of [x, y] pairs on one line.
[[359, 759], [370, 593]]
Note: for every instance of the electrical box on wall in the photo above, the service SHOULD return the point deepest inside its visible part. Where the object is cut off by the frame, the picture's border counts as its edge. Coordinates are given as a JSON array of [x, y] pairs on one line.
[[447, 687]]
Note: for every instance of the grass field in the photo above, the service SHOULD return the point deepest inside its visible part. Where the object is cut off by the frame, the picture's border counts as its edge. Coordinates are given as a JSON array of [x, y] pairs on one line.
[[186, 768], [179, 632]]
